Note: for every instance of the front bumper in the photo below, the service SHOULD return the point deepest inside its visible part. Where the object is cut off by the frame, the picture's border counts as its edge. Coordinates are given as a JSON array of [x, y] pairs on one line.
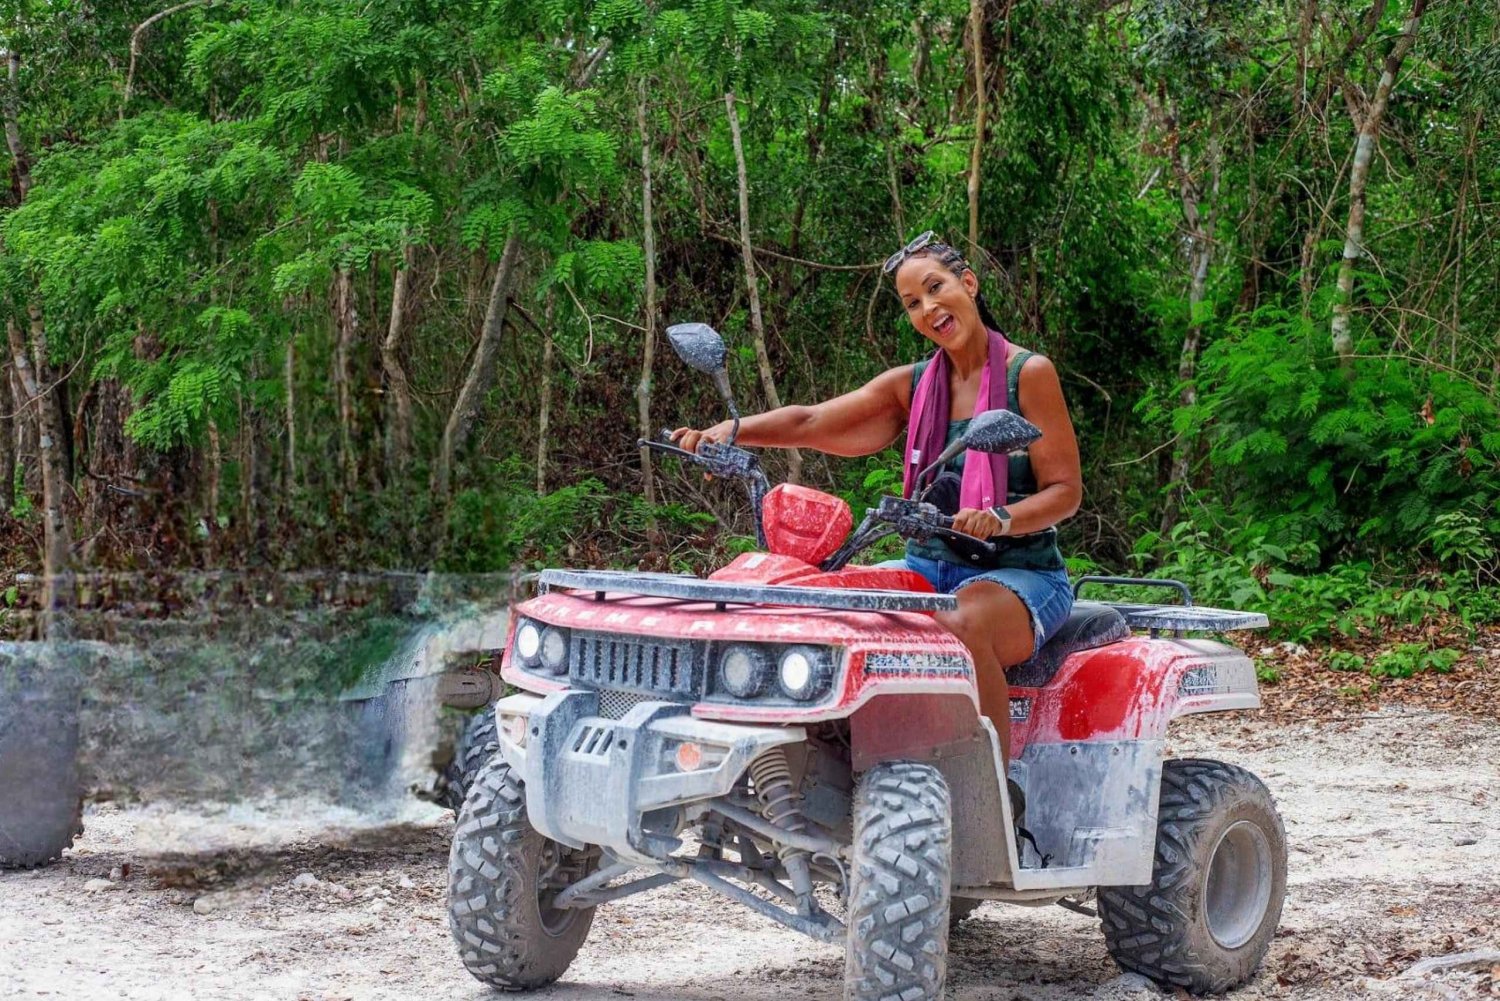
[[596, 781]]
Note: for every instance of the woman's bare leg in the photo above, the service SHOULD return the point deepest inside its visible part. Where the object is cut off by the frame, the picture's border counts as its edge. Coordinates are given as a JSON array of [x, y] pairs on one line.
[[996, 627]]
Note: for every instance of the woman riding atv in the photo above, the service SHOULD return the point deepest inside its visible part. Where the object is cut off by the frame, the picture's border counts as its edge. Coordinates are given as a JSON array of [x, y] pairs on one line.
[[1009, 603]]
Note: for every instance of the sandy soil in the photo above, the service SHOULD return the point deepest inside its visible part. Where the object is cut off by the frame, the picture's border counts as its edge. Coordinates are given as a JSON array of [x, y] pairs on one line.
[[1394, 822]]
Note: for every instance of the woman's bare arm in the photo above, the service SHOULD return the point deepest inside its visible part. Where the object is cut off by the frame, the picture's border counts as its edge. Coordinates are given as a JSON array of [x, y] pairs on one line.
[[1054, 460], [859, 423]]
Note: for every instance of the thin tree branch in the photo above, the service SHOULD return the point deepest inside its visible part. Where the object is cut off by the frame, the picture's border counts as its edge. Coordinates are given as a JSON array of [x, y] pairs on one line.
[[136, 38]]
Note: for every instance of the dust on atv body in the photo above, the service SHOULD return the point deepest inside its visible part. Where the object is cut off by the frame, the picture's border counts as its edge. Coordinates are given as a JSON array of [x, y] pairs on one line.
[[1393, 823]]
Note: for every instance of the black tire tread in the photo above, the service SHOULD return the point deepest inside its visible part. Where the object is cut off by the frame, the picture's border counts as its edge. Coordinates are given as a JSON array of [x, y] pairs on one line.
[[492, 908], [1150, 929], [478, 743], [899, 885]]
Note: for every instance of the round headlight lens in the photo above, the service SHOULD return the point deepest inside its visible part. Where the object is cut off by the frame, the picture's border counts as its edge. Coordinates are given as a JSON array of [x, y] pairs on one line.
[[804, 673], [554, 650], [528, 641], [743, 671]]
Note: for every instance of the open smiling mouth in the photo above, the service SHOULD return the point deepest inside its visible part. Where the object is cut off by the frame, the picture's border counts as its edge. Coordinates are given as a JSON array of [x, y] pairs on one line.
[[945, 326]]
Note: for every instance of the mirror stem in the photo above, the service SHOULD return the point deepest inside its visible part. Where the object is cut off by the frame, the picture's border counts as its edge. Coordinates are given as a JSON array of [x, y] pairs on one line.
[[721, 383]]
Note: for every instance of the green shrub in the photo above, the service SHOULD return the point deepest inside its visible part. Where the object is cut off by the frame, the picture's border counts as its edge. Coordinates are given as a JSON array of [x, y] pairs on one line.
[[1407, 659]]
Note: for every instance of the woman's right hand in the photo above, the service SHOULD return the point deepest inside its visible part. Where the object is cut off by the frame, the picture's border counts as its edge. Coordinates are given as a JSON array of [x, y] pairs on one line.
[[689, 439]]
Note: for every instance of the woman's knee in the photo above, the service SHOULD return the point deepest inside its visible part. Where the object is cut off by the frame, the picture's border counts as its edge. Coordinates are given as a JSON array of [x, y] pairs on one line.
[[997, 616]]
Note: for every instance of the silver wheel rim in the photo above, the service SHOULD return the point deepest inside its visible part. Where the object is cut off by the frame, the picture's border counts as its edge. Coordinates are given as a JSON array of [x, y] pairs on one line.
[[554, 857], [1237, 888]]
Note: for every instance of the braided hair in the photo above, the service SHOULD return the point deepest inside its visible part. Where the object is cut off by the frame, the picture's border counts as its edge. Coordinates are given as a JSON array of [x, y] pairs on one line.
[[949, 257]]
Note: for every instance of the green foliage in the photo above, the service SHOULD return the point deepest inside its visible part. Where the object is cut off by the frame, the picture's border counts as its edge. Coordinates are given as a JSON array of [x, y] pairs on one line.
[[1373, 456], [1304, 605], [1346, 660], [1407, 659], [190, 244], [1404, 660]]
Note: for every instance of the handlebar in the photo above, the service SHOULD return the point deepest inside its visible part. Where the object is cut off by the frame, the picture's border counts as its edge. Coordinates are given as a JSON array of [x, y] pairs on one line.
[[910, 519], [718, 459], [920, 520]]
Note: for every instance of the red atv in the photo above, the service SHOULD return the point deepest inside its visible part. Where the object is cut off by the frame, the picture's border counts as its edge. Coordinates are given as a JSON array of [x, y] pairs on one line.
[[801, 736]]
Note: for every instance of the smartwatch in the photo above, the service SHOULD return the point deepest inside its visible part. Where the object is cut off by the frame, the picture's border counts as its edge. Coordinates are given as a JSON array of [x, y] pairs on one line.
[[1000, 512]]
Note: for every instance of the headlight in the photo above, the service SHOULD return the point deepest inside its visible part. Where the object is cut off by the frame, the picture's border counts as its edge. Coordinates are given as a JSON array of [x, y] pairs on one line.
[[743, 671], [804, 672], [554, 650], [528, 642]]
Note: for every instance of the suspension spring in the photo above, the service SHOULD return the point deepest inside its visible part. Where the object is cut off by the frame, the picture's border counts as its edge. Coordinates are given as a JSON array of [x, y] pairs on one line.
[[772, 776]]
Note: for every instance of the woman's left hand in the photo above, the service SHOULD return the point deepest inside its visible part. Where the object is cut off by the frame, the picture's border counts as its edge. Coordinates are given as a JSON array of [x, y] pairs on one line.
[[982, 524]]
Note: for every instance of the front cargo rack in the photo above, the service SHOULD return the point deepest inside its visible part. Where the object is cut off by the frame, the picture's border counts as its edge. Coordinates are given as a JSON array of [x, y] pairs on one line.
[[721, 593]]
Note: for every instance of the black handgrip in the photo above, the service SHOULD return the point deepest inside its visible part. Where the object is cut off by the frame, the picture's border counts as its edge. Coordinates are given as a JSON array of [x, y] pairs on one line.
[[945, 521], [989, 547]]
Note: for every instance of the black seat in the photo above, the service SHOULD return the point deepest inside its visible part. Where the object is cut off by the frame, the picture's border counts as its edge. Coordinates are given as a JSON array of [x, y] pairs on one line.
[[1089, 625]]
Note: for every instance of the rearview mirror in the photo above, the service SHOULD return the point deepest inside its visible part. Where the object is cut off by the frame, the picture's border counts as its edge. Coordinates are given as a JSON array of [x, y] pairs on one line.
[[699, 345], [991, 431], [1000, 431]]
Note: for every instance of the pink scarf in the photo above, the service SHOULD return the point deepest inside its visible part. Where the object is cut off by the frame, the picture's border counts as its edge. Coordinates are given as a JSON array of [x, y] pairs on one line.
[[985, 475]]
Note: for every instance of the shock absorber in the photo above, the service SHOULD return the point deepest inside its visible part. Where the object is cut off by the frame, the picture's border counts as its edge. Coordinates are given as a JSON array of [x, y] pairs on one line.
[[772, 777]]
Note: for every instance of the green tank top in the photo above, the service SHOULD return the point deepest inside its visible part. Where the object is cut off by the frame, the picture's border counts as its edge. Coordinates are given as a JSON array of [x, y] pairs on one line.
[[1036, 551]]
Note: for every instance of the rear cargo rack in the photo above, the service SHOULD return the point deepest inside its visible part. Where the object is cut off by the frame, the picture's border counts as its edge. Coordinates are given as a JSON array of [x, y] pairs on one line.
[[1184, 618]]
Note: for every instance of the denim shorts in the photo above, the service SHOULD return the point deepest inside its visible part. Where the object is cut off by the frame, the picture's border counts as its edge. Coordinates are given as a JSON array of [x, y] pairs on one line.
[[1046, 594]]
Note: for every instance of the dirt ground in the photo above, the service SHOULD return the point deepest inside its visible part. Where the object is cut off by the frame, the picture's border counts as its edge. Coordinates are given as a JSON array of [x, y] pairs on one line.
[[1393, 819]]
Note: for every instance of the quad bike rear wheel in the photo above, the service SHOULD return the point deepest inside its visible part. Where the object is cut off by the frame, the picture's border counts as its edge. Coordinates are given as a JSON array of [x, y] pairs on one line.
[[899, 885], [502, 877], [41, 791], [1206, 920]]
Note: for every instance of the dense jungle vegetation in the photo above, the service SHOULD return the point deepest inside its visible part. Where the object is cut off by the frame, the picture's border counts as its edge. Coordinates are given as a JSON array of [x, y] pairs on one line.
[[340, 283]]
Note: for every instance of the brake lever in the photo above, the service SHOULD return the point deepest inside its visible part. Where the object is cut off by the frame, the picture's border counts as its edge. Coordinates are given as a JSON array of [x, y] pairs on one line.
[[669, 449]]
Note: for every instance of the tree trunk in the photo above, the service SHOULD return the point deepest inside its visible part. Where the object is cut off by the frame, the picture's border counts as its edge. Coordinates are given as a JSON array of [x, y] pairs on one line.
[[13, 128], [981, 109], [56, 545], [544, 419], [346, 323], [1200, 253], [1304, 36], [247, 480], [398, 391], [1364, 152], [752, 284], [289, 429], [648, 352], [9, 421], [215, 477], [481, 370]]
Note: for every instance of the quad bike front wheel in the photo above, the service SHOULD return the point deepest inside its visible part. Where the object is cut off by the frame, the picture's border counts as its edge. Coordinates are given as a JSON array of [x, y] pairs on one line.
[[502, 878], [478, 743], [899, 885], [1206, 920]]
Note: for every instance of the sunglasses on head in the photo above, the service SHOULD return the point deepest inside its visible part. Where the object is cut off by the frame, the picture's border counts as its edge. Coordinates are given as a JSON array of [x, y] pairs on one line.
[[894, 261]]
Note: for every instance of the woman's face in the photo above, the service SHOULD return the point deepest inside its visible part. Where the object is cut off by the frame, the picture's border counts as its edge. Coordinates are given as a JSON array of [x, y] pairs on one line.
[[939, 303]]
